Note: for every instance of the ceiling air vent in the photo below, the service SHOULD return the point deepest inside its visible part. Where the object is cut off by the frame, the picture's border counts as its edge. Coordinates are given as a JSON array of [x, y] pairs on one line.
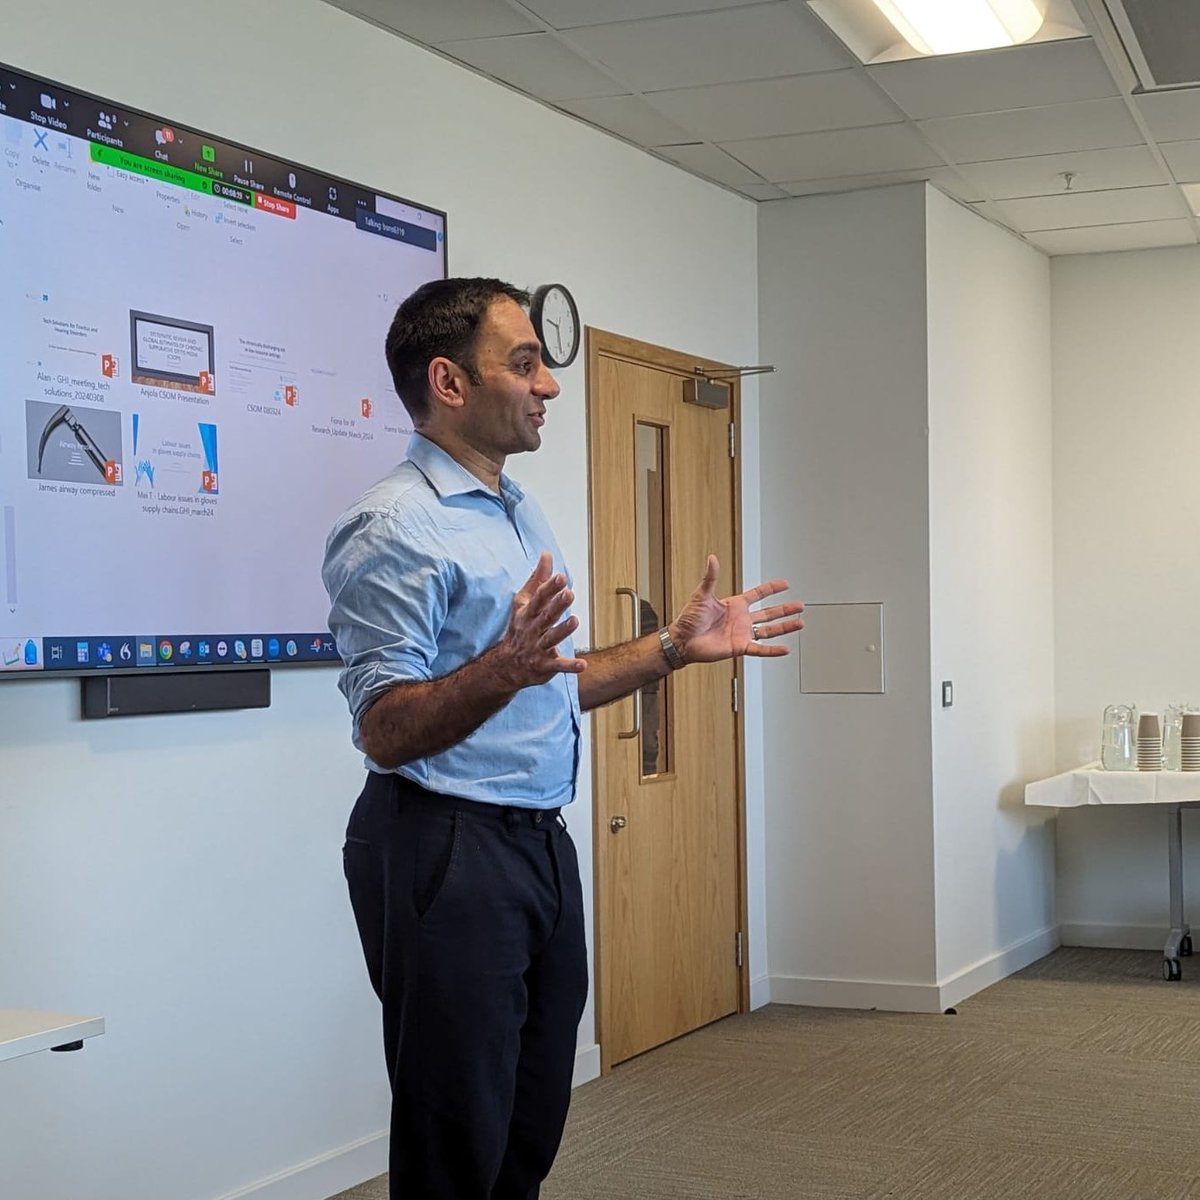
[[1162, 39]]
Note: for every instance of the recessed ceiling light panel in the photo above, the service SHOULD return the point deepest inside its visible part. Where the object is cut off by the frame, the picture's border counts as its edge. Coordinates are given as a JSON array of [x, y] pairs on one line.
[[959, 26], [879, 31]]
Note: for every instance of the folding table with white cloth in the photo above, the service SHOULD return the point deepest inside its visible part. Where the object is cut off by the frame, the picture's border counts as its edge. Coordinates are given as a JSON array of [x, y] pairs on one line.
[[1174, 790]]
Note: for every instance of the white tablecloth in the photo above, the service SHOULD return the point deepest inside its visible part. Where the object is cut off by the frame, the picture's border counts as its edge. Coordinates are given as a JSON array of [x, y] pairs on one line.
[[1092, 785]]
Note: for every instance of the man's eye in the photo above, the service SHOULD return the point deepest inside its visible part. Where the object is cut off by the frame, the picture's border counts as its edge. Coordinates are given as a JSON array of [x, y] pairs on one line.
[[525, 366]]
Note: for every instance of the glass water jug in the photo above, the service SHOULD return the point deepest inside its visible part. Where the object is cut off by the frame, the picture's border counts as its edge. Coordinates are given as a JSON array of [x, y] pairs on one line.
[[1117, 737]]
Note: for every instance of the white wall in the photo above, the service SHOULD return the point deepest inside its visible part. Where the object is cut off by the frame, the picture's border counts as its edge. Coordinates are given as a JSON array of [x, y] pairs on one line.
[[181, 874], [1127, 574], [849, 818], [991, 593], [906, 459]]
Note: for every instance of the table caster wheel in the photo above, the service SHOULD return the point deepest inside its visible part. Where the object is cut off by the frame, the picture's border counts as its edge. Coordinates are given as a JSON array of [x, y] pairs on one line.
[[1172, 970], [1185, 946]]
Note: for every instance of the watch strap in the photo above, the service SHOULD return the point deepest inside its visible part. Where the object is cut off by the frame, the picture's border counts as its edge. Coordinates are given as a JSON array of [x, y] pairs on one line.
[[670, 650]]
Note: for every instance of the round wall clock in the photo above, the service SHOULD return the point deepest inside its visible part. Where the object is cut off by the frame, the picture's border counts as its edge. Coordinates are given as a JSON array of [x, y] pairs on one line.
[[556, 322]]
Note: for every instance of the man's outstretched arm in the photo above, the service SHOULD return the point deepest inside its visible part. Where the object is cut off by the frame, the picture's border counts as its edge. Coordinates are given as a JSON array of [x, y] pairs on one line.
[[708, 629]]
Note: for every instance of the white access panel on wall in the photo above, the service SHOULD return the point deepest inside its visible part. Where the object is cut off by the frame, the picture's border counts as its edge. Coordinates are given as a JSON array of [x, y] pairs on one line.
[[841, 648]]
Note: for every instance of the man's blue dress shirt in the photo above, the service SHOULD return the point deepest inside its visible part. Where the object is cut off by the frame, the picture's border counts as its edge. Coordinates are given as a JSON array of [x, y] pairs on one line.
[[421, 572]]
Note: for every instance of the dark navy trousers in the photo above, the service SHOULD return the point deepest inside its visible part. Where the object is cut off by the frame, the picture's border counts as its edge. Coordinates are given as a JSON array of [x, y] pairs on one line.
[[471, 920]]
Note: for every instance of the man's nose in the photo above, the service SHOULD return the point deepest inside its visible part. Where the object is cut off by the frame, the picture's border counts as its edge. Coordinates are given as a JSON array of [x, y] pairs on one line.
[[546, 385]]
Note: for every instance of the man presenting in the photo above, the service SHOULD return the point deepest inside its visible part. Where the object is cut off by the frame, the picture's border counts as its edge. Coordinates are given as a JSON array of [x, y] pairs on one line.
[[451, 610]]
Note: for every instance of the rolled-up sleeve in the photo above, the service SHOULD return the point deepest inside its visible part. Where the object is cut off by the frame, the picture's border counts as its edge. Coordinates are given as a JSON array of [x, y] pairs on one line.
[[388, 593]]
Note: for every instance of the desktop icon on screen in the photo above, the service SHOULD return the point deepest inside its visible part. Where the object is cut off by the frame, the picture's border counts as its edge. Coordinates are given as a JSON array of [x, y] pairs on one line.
[[292, 648], [272, 647], [203, 649], [81, 652], [256, 647], [222, 649], [145, 653], [208, 154], [165, 650], [239, 648]]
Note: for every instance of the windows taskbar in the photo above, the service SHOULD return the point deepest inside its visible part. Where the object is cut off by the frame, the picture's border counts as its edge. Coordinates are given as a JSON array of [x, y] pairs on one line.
[[124, 652]]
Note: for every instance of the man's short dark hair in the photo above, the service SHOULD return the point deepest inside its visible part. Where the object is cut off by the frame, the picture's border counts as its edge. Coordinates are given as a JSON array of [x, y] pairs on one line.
[[441, 319]]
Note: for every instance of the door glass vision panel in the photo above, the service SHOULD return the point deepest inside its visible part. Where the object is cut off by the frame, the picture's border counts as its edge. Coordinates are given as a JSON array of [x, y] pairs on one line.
[[651, 509]]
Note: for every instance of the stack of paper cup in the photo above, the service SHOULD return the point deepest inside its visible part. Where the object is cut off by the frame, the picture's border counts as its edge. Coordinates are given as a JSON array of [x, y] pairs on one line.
[[1149, 743], [1189, 742]]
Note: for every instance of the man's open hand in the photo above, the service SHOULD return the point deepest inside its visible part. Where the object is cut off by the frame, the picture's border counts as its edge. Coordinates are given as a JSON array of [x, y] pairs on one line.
[[710, 629], [528, 652]]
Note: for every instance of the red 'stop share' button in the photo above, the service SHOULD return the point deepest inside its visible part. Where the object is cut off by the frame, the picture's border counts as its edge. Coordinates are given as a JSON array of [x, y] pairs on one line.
[[284, 208]]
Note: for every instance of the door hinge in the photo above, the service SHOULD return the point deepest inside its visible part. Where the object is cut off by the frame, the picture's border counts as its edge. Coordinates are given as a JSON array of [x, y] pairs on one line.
[[738, 948], [732, 440], [733, 693]]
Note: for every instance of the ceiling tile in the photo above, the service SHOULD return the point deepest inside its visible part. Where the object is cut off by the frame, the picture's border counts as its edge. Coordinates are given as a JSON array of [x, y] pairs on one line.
[[629, 117], [1014, 77], [942, 177], [1018, 133], [711, 162], [1042, 175], [440, 20], [566, 14], [1100, 239], [770, 107], [1184, 160], [537, 63], [1077, 209], [1171, 116], [871, 151], [720, 47]]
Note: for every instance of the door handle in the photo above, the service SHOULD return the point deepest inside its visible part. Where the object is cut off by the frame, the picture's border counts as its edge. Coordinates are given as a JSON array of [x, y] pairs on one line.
[[637, 695], [617, 824]]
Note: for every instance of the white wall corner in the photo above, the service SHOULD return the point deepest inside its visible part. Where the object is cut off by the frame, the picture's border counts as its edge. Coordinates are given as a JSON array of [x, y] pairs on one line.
[[587, 1064], [325, 1175], [998, 966]]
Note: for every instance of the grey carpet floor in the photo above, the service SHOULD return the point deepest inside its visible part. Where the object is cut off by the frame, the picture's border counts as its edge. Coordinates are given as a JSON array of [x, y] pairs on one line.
[[1076, 1079]]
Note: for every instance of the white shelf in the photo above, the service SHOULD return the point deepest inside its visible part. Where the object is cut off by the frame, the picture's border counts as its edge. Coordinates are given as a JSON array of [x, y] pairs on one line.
[[23, 1031]]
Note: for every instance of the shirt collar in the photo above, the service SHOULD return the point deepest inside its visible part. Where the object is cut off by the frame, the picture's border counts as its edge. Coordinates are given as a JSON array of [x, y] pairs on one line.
[[449, 477]]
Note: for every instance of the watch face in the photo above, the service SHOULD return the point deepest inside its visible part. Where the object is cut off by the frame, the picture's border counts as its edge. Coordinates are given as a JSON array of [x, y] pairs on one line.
[[557, 322]]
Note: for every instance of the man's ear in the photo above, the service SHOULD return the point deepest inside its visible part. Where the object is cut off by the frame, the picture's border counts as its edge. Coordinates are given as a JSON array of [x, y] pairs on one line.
[[446, 381]]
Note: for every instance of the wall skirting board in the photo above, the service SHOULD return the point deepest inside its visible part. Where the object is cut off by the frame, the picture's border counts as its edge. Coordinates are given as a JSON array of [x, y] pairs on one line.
[[914, 997], [587, 1064], [1115, 937], [760, 992], [998, 966], [325, 1175]]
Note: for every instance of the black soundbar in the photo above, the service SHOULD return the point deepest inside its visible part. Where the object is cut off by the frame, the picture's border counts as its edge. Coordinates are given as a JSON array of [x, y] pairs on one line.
[[175, 691]]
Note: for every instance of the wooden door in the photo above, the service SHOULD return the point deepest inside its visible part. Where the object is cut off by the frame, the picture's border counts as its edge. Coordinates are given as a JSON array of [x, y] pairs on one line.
[[669, 834]]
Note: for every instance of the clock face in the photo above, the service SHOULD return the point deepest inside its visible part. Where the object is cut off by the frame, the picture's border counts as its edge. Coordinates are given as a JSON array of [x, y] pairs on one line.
[[556, 320]]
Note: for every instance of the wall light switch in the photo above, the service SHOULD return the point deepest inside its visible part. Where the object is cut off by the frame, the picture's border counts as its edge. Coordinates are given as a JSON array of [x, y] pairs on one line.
[[947, 693]]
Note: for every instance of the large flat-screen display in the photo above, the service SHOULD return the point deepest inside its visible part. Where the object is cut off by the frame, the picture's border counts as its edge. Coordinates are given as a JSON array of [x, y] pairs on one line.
[[192, 385]]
